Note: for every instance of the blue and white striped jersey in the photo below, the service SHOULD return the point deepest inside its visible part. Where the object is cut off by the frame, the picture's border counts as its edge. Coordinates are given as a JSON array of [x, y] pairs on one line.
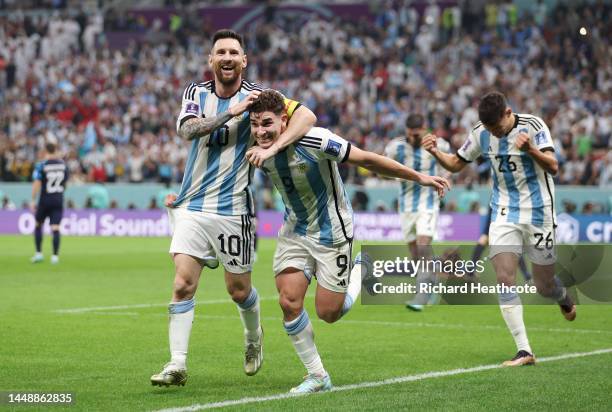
[[307, 178], [523, 192], [217, 176], [414, 197]]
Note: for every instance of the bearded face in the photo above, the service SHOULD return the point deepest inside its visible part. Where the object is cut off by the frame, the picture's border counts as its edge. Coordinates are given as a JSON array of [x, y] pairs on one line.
[[227, 59]]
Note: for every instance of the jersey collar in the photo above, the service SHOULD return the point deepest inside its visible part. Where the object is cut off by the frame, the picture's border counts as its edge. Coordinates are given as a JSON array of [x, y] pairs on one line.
[[214, 90]]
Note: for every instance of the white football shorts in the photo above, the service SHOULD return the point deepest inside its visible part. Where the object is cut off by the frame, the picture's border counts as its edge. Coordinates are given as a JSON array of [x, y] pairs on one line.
[[421, 223], [203, 235], [331, 265], [538, 241]]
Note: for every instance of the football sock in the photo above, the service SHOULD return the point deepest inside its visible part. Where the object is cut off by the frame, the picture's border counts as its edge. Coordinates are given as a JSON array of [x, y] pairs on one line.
[[38, 238], [523, 267], [512, 312], [559, 292], [301, 334], [249, 313], [56, 241], [478, 252], [354, 287], [423, 277], [179, 330]]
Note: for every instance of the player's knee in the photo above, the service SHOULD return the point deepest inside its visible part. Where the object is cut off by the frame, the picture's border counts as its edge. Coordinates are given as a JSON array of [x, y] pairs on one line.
[[184, 288], [329, 314], [291, 305], [238, 295]]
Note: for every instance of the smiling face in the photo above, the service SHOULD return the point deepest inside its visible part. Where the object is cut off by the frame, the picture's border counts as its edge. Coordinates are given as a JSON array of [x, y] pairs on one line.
[[227, 60], [266, 127]]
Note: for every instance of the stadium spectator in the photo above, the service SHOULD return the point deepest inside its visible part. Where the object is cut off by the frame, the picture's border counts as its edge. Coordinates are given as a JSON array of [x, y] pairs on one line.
[[112, 110]]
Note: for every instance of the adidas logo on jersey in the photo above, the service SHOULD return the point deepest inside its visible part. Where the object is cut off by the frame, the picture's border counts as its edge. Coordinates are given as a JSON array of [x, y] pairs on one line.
[[341, 283], [233, 262]]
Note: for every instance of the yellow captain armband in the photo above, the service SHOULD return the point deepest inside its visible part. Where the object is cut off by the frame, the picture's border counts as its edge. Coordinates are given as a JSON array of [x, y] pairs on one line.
[[291, 106]]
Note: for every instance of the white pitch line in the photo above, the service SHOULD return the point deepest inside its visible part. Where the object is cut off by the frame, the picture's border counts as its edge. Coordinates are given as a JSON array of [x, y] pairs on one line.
[[147, 305], [372, 384], [107, 311]]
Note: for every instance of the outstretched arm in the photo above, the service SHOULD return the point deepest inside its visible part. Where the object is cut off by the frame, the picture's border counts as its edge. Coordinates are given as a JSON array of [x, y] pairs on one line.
[[302, 120], [450, 162], [198, 127], [388, 167]]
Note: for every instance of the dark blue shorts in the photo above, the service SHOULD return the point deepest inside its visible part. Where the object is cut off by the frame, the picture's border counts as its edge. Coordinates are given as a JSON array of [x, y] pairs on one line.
[[54, 214]]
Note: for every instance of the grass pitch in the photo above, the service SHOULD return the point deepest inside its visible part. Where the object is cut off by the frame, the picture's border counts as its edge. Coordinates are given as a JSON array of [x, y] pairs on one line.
[[96, 325]]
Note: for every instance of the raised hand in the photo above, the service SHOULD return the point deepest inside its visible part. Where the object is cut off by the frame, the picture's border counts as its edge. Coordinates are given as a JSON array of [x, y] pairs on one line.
[[244, 105], [523, 143], [257, 155], [429, 143]]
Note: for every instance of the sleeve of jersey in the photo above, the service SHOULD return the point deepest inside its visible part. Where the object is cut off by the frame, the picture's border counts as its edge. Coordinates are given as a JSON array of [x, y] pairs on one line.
[[37, 173], [470, 149], [291, 106], [542, 139], [189, 107], [324, 144]]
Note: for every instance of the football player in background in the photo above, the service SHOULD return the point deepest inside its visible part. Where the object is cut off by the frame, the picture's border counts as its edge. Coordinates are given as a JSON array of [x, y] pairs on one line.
[[49, 183], [521, 153], [418, 207]]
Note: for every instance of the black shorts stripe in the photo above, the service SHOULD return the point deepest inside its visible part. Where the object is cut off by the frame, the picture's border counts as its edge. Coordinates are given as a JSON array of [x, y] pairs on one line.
[[242, 227], [248, 238], [552, 200]]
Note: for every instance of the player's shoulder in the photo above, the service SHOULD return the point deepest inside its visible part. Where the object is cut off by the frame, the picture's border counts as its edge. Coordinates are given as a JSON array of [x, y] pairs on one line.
[[194, 88], [318, 133], [396, 141], [532, 122], [247, 87], [477, 128]]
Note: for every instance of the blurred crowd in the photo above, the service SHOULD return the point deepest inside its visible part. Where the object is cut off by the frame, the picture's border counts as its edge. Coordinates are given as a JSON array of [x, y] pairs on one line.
[[114, 111]]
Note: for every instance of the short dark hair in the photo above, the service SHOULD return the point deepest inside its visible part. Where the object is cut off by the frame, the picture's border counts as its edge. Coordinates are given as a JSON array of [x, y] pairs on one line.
[[415, 121], [492, 107], [50, 147], [269, 101], [227, 34]]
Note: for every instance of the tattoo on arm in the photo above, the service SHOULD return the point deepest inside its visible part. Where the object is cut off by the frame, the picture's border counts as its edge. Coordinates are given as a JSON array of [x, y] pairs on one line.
[[196, 127]]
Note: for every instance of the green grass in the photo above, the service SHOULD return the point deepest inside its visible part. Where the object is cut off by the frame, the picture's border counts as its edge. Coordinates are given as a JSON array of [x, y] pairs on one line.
[[105, 357]]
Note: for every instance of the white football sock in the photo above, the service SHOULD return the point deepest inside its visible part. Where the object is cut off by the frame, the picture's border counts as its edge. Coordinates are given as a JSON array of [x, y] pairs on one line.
[[512, 312], [249, 313], [301, 334], [179, 330], [353, 289]]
